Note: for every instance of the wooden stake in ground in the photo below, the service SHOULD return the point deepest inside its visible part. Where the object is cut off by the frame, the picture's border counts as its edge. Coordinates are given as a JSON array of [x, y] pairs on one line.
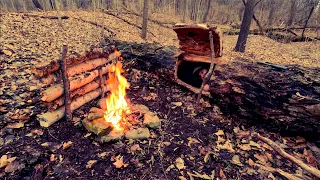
[[101, 82], [212, 67], [283, 153], [66, 83]]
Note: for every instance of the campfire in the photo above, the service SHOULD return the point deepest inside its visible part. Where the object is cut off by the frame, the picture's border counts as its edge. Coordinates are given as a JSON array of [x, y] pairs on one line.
[[116, 104], [116, 117]]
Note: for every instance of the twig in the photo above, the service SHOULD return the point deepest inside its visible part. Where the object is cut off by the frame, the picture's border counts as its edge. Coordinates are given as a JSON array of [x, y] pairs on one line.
[[66, 83], [212, 67], [276, 170], [284, 154]]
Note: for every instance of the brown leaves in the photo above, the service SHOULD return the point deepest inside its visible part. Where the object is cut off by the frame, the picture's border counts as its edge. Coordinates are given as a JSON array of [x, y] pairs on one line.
[[16, 125], [236, 160], [119, 162], [192, 141], [180, 163], [66, 145], [90, 163]]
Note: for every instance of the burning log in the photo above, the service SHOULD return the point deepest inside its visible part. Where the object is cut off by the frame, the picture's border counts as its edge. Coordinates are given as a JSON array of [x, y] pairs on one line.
[[56, 91], [48, 118]]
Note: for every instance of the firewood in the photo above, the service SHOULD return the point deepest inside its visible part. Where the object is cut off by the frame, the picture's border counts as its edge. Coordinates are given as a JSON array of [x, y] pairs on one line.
[[310, 169], [89, 65], [46, 69], [56, 91], [48, 118], [78, 92]]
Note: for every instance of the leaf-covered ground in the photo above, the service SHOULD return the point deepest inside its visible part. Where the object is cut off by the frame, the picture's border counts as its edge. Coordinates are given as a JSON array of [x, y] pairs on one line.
[[193, 141]]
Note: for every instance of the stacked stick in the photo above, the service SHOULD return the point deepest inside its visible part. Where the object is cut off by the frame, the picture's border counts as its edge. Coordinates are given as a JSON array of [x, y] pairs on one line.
[[83, 80]]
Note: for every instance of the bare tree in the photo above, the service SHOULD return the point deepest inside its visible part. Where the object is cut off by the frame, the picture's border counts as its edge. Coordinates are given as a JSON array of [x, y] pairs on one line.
[[145, 19], [272, 11], [185, 10], [291, 12], [245, 26], [313, 5], [37, 4], [205, 16]]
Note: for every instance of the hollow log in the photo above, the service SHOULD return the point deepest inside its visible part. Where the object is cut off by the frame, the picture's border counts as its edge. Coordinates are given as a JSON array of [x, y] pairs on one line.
[[56, 91], [48, 118], [94, 53], [78, 92]]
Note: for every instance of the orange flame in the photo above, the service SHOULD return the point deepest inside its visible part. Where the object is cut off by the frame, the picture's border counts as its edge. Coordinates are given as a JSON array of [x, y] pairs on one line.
[[116, 102]]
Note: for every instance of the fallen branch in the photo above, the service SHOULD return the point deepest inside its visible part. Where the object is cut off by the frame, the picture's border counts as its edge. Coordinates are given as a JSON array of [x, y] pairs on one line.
[[276, 170], [96, 24], [56, 91], [46, 17], [124, 20], [48, 118], [284, 154]]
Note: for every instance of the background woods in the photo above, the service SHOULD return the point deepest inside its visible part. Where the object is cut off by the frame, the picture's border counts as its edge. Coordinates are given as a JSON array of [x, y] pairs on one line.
[[230, 12]]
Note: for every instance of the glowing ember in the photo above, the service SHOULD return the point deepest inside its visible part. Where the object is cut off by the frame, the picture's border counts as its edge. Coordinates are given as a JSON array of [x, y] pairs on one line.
[[116, 102]]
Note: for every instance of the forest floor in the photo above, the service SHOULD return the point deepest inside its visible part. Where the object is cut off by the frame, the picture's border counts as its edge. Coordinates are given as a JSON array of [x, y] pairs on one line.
[[193, 142]]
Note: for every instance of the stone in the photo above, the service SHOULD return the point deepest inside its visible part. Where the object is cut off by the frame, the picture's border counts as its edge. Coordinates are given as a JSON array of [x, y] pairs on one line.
[[140, 133], [140, 108], [95, 113], [102, 104], [114, 135], [97, 126], [151, 120]]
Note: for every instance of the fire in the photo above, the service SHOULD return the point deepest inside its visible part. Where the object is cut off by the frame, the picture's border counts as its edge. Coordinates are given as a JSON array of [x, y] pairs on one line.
[[116, 102]]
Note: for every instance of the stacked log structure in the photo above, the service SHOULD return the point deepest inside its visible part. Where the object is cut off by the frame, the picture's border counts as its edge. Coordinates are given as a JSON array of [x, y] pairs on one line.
[[86, 75]]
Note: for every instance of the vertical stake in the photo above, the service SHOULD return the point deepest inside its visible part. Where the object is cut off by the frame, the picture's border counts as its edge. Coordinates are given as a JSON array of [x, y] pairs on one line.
[[66, 83], [101, 83], [212, 67]]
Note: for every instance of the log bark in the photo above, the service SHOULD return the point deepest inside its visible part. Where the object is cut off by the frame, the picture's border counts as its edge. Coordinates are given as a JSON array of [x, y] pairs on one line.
[[76, 93], [66, 83], [310, 169], [48, 118], [56, 91], [94, 53]]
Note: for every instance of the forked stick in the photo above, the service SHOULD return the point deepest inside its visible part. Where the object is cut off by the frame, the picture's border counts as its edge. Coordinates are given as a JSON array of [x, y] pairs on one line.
[[212, 67], [284, 154]]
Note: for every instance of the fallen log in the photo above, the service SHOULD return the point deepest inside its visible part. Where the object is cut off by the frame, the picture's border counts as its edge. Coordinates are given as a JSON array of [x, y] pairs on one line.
[[48, 118], [45, 17], [94, 53], [56, 91], [314, 171], [78, 92]]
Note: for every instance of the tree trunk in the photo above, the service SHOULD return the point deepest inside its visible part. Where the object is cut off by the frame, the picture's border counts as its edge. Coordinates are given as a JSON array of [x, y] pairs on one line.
[[291, 13], [37, 4], [245, 26], [185, 10], [271, 13], [145, 20], [205, 16], [307, 20]]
